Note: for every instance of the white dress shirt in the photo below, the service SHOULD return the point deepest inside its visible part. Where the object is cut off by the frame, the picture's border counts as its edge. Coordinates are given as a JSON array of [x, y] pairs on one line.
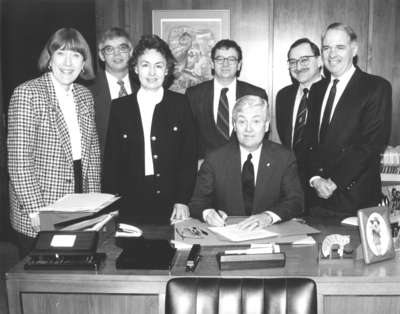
[[147, 101], [68, 108], [114, 87], [231, 95]]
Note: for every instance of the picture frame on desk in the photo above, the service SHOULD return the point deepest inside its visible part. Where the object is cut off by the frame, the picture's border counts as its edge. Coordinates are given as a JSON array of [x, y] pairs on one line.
[[375, 234]]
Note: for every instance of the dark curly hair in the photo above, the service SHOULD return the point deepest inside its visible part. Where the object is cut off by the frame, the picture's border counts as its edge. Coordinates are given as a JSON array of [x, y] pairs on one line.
[[148, 42]]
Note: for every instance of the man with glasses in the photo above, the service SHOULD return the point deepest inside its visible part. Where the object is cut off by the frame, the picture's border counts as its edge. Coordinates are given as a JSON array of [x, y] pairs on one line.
[[348, 128], [112, 80], [212, 101]]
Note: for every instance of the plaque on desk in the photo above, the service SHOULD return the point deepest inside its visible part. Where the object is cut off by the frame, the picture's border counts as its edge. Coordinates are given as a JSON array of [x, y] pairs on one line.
[[376, 234], [140, 253]]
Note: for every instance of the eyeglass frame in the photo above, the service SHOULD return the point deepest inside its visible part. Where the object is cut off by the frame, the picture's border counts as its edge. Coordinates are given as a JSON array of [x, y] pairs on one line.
[[221, 60], [120, 49], [303, 60], [190, 233]]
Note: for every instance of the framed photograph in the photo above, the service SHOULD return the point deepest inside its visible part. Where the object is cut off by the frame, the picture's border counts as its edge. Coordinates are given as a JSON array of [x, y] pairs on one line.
[[376, 234], [191, 34]]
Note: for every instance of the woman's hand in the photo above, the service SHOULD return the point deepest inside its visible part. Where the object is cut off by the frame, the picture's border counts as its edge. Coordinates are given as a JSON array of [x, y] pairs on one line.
[[180, 212], [35, 221]]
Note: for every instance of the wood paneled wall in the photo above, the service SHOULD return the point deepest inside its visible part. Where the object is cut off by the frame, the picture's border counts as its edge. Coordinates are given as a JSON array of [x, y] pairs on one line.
[[266, 28]]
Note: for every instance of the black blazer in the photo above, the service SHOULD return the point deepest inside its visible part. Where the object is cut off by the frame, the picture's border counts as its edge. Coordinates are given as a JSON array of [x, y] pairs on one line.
[[284, 105], [102, 104], [219, 183], [201, 101], [173, 148], [358, 133]]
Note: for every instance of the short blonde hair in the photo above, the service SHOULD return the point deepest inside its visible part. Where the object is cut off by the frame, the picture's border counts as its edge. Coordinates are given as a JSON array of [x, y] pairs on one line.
[[67, 39], [250, 101]]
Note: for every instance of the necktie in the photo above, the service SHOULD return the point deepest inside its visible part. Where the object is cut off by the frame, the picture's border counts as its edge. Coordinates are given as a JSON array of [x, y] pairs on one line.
[[301, 119], [122, 91], [327, 114], [248, 185], [223, 114]]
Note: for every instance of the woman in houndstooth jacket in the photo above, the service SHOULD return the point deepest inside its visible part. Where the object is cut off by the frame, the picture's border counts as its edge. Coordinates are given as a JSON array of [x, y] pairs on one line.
[[53, 147]]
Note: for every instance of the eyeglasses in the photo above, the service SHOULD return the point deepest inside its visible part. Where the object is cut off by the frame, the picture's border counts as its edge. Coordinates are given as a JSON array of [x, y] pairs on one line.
[[304, 61], [109, 50], [221, 60], [191, 233]]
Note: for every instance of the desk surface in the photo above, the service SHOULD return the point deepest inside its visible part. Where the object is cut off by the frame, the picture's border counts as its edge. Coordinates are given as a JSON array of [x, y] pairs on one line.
[[352, 277]]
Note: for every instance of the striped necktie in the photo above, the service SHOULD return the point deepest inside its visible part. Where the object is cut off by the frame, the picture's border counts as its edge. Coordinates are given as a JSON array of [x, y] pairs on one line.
[[223, 114], [122, 91], [301, 120]]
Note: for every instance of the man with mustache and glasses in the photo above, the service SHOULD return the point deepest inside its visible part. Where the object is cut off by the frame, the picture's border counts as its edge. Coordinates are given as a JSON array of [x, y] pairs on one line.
[[113, 79], [305, 65], [348, 128]]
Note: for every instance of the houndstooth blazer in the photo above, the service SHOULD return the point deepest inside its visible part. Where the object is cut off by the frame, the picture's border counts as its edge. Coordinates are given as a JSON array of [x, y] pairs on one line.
[[39, 150]]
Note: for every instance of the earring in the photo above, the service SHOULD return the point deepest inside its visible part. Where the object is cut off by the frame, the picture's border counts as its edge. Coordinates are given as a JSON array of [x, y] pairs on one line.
[[83, 70], [49, 66]]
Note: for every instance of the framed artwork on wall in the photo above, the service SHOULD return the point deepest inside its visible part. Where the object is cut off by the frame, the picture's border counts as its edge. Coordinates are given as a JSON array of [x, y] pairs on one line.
[[376, 234], [191, 34]]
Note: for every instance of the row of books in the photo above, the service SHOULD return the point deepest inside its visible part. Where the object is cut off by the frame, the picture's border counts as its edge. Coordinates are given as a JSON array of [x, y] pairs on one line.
[[390, 164]]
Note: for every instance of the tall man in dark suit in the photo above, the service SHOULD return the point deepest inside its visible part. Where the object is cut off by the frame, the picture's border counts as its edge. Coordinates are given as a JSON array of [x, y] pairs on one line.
[[212, 101], [250, 175], [349, 127], [113, 80]]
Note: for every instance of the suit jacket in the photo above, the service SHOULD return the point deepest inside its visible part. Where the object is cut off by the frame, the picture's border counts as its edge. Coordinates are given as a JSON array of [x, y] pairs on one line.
[[284, 105], [358, 132], [173, 148], [201, 98], [39, 149], [219, 183], [102, 104]]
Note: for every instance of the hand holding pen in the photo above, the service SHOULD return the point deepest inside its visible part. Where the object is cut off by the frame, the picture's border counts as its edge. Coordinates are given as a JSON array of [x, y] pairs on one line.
[[216, 218]]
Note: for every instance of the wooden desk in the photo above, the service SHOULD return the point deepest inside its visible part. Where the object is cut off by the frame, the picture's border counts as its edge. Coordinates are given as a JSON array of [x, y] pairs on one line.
[[342, 288]]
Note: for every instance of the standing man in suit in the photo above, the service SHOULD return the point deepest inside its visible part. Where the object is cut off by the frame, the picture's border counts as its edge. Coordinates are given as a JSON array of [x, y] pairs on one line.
[[305, 65], [212, 101], [349, 127], [250, 175], [113, 80]]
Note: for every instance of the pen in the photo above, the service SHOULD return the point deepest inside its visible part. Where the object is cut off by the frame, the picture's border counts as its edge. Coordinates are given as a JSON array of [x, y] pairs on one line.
[[223, 217]]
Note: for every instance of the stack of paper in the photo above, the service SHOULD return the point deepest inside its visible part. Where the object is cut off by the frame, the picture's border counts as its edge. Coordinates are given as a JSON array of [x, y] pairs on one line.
[[82, 202], [91, 224], [235, 234]]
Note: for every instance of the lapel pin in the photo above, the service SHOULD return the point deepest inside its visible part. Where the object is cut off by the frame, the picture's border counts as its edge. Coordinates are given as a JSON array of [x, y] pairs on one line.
[[125, 136], [268, 164], [175, 128]]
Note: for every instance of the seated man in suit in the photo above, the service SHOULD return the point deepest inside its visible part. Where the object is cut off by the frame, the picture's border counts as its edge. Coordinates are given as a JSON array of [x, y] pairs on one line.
[[212, 101], [113, 80], [249, 176]]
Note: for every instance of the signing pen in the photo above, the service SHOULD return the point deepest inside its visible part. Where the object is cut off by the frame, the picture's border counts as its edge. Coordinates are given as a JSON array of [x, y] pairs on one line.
[[222, 215]]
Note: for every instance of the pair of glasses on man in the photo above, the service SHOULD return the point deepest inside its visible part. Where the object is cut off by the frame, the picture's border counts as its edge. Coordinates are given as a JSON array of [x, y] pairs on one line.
[[230, 60], [109, 50], [303, 61], [191, 233]]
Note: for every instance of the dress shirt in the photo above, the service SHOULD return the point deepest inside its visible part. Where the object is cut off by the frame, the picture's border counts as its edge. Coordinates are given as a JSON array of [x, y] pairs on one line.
[[340, 87], [147, 101], [231, 95], [297, 101], [68, 108], [115, 87]]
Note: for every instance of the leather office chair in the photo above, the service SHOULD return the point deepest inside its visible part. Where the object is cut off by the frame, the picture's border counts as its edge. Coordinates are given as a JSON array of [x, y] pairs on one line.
[[244, 296]]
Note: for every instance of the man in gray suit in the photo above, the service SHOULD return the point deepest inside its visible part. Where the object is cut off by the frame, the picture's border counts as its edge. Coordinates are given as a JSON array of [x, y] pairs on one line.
[[212, 101], [113, 80], [249, 176]]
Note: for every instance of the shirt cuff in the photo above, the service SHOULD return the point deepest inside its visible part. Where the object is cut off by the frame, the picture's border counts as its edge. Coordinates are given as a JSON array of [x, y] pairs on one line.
[[313, 179], [32, 215], [275, 217], [205, 213]]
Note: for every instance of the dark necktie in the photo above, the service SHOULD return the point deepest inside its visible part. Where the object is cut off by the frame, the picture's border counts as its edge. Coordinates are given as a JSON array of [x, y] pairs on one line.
[[301, 120], [327, 114], [248, 185], [122, 91], [223, 114]]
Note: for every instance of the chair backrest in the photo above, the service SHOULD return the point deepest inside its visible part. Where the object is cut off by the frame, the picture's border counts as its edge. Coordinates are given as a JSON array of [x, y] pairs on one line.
[[241, 296]]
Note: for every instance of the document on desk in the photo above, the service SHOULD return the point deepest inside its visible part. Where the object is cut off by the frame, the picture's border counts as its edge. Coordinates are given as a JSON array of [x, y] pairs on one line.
[[233, 233], [82, 202]]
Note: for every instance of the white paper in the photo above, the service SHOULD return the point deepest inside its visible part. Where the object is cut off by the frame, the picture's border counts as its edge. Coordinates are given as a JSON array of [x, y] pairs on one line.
[[233, 233], [63, 240], [308, 240], [89, 202]]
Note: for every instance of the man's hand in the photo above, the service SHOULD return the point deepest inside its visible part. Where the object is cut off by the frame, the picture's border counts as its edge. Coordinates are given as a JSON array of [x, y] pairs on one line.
[[35, 221], [214, 218], [180, 212], [324, 187], [256, 221]]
